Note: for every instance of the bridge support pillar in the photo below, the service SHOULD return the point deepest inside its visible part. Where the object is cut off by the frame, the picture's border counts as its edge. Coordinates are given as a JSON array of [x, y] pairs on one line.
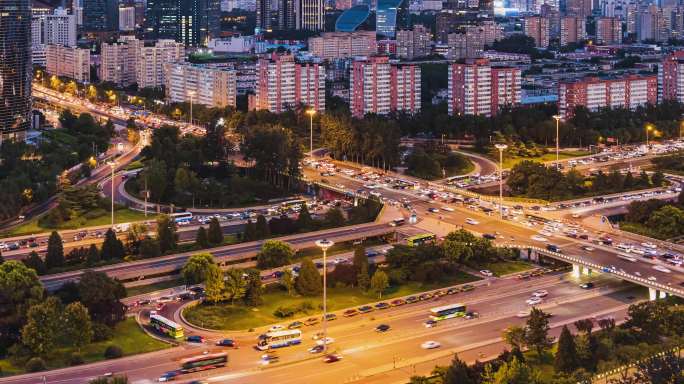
[[586, 271], [653, 294], [356, 201], [576, 270]]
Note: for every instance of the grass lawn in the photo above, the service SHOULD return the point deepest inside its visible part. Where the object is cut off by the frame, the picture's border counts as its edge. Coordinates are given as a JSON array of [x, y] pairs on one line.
[[640, 229], [501, 268], [122, 215], [140, 289], [238, 317], [510, 161], [127, 335]]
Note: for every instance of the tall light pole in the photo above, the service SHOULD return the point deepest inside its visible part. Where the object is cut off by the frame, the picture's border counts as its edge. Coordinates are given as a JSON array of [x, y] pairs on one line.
[[501, 148], [649, 127], [311, 112], [324, 244], [557, 118], [112, 165]]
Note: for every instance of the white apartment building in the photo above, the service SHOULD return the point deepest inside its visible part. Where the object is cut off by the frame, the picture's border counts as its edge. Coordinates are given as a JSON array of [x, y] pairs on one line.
[[69, 62], [199, 84], [58, 28], [127, 19], [341, 45], [129, 61]]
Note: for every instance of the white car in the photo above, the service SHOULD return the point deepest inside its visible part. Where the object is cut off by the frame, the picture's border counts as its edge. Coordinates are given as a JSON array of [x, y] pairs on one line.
[[486, 272], [327, 340], [533, 301], [588, 248], [661, 269], [539, 238], [448, 209], [649, 245], [540, 293], [430, 323], [275, 328], [430, 345], [652, 278], [523, 313], [472, 221]]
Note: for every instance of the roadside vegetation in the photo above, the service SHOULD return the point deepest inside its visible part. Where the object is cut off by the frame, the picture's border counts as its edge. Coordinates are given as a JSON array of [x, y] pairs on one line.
[[431, 161], [655, 218]]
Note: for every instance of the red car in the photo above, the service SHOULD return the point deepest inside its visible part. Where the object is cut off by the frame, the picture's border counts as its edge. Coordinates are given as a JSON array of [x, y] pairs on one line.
[[332, 358]]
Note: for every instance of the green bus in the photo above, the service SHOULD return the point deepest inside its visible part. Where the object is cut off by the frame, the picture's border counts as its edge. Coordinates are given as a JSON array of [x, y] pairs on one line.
[[421, 239], [447, 312], [165, 326], [203, 362]]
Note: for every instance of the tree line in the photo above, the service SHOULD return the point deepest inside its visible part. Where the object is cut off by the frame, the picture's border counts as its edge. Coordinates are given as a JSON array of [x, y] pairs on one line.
[[661, 219]]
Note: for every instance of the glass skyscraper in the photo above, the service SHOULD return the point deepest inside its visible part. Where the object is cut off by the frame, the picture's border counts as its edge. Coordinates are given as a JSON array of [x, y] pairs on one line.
[[15, 68], [191, 22], [390, 15]]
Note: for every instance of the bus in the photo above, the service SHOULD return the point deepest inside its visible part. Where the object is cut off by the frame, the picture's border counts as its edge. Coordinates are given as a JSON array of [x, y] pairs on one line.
[[181, 217], [397, 222], [421, 239], [290, 204], [279, 339], [200, 363], [165, 326], [447, 312]]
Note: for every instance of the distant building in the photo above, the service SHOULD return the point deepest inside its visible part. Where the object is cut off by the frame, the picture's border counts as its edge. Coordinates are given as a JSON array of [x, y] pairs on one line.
[[70, 62], [57, 28], [353, 18], [16, 71], [572, 30], [477, 88], [192, 23], [414, 42], [310, 15], [129, 61], [127, 19], [593, 93], [538, 28], [100, 15], [609, 30], [213, 87], [671, 77], [235, 44], [391, 15], [340, 45]]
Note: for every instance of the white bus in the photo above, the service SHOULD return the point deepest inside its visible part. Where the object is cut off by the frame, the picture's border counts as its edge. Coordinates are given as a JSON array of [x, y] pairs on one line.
[[447, 312], [181, 217], [279, 339]]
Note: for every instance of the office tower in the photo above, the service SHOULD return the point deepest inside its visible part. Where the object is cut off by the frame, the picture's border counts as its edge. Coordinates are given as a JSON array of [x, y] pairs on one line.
[[57, 27], [100, 15], [390, 15], [127, 19], [629, 92], [263, 15], [477, 88], [15, 68], [287, 18], [69, 62], [609, 30], [310, 14], [191, 22], [205, 85], [538, 28], [572, 30]]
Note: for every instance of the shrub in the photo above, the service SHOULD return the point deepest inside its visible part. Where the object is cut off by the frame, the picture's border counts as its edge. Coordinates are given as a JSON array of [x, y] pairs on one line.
[[283, 312], [102, 332], [113, 352], [94, 214], [35, 364], [75, 359]]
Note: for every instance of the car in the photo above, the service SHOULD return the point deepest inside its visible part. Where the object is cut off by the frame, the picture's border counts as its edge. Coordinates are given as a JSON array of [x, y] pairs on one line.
[[350, 313], [553, 248], [433, 210], [486, 272], [661, 269], [652, 278], [588, 285], [452, 291], [439, 293], [397, 302], [325, 341], [430, 323], [472, 221], [489, 236], [382, 306], [168, 376], [332, 358], [533, 301], [448, 209], [471, 315], [365, 309], [425, 296], [295, 325], [330, 317], [467, 288], [411, 299], [316, 349], [523, 313], [276, 328], [587, 248], [430, 344], [194, 339], [311, 321], [317, 335], [539, 238], [227, 343], [540, 293], [382, 328]]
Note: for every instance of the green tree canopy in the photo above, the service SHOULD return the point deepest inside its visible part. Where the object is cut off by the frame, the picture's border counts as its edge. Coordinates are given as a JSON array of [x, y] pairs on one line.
[[274, 253], [309, 282], [197, 268]]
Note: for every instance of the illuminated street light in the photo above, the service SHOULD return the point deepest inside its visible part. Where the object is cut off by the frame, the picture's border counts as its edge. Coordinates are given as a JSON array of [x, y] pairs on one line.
[[557, 117], [501, 148], [324, 245], [311, 112], [649, 127]]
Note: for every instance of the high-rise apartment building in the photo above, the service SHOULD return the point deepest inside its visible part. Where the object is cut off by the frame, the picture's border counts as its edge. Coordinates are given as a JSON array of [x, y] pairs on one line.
[[609, 30], [593, 93], [578, 8], [341, 45], [282, 84], [572, 30], [16, 71], [671, 77], [287, 16], [129, 61], [70, 62], [191, 22], [651, 24], [414, 42], [126, 19], [537, 27], [552, 14], [58, 27], [200, 84], [477, 88], [263, 15], [405, 88]]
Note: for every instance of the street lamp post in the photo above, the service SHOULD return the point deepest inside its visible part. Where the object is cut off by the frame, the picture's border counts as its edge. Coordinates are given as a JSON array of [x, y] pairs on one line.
[[324, 244], [557, 118], [112, 165], [501, 148], [649, 128], [311, 112]]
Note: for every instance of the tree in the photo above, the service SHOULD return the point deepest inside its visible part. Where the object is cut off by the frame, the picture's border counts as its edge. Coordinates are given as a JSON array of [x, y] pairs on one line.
[[304, 220], [93, 256], [360, 264], [235, 285], [658, 178], [333, 218], [215, 234], [54, 257], [262, 229], [537, 331], [34, 262], [459, 373], [515, 372], [287, 281], [254, 290], [201, 240], [457, 252], [379, 282], [112, 248], [309, 282], [214, 286], [166, 234], [274, 254], [149, 248], [42, 326], [76, 327], [250, 231], [363, 280], [197, 268], [20, 288], [668, 221], [514, 336], [156, 174], [101, 295], [566, 355]]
